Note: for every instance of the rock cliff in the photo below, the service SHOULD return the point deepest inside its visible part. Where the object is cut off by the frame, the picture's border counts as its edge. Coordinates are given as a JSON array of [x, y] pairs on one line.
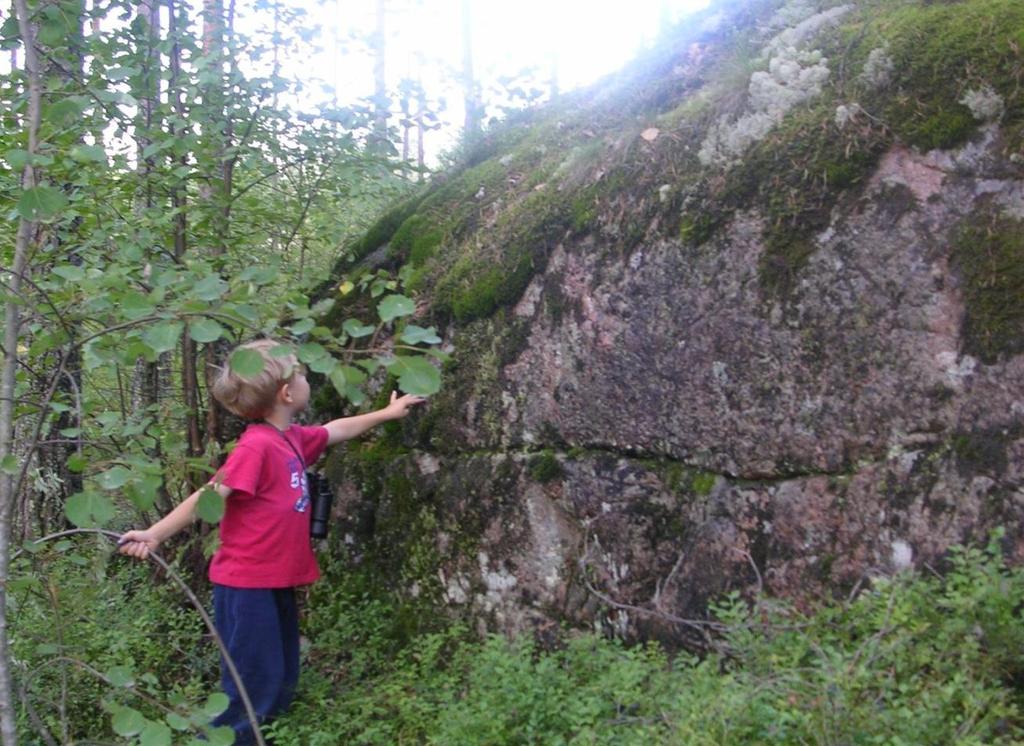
[[748, 314]]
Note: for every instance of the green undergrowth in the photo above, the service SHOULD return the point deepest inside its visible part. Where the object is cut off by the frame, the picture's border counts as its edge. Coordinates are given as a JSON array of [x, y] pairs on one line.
[[915, 659], [77, 615]]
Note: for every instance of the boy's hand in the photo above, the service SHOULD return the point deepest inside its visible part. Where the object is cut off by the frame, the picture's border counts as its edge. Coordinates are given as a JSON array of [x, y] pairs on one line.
[[138, 543], [400, 405]]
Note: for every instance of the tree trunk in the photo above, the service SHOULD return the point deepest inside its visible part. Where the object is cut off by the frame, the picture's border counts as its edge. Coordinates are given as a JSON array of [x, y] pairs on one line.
[[380, 83], [179, 200], [213, 47], [471, 127], [12, 324], [45, 506]]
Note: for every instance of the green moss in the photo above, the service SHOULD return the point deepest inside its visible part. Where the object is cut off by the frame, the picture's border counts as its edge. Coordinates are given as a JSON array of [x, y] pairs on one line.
[[696, 229], [417, 239], [382, 231], [939, 50], [785, 255], [545, 467], [703, 482], [941, 130], [584, 213], [983, 451], [492, 276], [988, 254]]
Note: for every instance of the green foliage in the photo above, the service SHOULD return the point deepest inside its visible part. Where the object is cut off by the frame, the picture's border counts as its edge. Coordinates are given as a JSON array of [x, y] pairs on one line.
[[100, 646], [915, 659]]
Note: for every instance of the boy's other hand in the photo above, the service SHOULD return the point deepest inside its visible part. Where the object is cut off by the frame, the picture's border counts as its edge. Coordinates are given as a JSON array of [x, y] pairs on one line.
[[137, 544], [400, 405]]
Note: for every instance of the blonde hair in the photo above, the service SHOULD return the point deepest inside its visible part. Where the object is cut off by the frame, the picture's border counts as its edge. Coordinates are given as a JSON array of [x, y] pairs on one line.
[[252, 397]]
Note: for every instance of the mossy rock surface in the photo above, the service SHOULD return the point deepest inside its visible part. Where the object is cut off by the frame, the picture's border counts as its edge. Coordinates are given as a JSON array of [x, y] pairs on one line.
[[719, 369], [989, 255]]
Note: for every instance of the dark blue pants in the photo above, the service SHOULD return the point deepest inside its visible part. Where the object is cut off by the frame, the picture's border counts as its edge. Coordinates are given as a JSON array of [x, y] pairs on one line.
[[260, 628]]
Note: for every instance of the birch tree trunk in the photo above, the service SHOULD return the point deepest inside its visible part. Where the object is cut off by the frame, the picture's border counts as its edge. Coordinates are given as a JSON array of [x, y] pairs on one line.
[[380, 83], [12, 329], [471, 128]]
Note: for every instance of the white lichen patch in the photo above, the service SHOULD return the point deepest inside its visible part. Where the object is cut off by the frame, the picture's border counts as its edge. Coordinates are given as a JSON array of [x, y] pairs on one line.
[[878, 69], [845, 113], [810, 27], [791, 14], [985, 104], [497, 582], [902, 555], [792, 78]]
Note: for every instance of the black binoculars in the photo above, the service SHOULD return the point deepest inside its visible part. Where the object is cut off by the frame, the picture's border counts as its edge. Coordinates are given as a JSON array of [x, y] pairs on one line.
[[322, 496]]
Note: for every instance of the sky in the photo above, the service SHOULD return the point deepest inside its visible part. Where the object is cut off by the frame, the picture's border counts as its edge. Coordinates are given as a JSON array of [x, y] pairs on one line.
[[583, 39]]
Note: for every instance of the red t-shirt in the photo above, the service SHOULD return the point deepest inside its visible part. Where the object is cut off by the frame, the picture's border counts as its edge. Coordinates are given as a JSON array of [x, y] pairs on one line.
[[264, 534]]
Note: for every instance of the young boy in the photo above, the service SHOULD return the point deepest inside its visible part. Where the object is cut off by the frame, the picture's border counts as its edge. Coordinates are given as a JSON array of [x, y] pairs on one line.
[[265, 549]]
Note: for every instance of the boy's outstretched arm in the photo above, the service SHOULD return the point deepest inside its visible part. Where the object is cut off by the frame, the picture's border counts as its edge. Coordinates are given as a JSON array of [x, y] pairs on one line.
[[344, 428], [140, 543]]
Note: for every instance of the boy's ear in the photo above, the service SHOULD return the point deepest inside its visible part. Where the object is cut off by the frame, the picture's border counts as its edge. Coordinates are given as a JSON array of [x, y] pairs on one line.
[[284, 394]]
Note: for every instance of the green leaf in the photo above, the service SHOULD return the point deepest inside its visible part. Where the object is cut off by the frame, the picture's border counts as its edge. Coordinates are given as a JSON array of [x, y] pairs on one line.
[[355, 395], [163, 337], [210, 288], [355, 328], [395, 306], [441, 355], [89, 154], [416, 375], [413, 334], [346, 381], [64, 112], [69, 272], [258, 275], [77, 463], [281, 351], [322, 307], [89, 509], [311, 351], [135, 305], [10, 29], [205, 330], [9, 465], [114, 478], [47, 648], [120, 676], [177, 722], [370, 365], [210, 506], [143, 492], [128, 721], [155, 734], [17, 158], [222, 736], [246, 363], [216, 703], [41, 203], [302, 327]]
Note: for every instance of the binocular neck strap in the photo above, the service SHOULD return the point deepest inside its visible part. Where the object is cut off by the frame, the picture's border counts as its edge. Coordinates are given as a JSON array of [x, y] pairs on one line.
[[290, 444]]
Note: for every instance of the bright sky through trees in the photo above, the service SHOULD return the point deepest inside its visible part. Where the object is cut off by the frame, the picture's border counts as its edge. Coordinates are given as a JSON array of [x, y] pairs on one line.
[[583, 39]]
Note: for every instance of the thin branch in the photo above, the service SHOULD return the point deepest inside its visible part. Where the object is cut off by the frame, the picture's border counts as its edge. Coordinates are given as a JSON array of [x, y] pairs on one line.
[[228, 660]]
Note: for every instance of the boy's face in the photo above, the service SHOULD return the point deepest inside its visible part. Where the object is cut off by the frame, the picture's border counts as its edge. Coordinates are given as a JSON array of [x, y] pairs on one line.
[[298, 389]]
